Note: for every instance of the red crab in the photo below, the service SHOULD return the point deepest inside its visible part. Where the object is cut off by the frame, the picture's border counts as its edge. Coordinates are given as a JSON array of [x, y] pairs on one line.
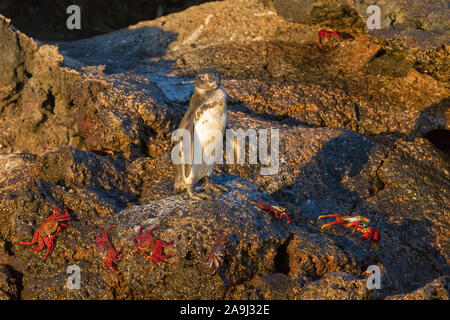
[[219, 250], [103, 152], [105, 248], [356, 223], [278, 211], [148, 242], [326, 34], [45, 234]]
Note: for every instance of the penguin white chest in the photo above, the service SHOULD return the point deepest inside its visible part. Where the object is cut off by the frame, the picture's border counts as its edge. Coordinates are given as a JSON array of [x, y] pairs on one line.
[[209, 130]]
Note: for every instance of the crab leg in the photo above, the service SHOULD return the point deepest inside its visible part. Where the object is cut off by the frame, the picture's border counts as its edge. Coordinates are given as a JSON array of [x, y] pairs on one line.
[[98, 239], [110, 265], [155, 259], [139, 236], [163, 257], [320, 36], [330, 224], [109, 230], [66, 215], [328, 215], [35, 238], [326, 34], [352, 225], [137, 245], [147, 256], [49, 244], [40, 245], [336, 33], [149, 232], [261, 204], [337, 216], [118, 251], [165, 244]]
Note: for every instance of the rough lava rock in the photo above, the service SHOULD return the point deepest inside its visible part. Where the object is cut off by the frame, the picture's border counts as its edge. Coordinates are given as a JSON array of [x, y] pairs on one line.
[[335, 13], [356, 138], [438, 289], [415, 30], [8, 284], [45, 106]]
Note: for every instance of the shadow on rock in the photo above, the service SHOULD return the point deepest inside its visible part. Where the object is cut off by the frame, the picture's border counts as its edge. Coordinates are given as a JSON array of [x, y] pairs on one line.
[[353, 175], [433, 124], [120, 51]]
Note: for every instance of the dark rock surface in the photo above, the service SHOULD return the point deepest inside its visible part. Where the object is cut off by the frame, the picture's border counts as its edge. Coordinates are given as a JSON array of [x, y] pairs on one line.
[[46, 19], [333, 285], [361, 133], [415, 30], [44, 106], [438, 289], [8, 284], [336, 14]]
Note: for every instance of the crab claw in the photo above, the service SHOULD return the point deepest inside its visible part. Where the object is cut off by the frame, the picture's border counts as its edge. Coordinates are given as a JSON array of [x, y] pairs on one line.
[[326, 34]]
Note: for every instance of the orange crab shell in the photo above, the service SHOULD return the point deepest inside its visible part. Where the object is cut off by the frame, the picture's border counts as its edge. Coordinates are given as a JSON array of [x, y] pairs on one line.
[[48, 227], [44, 235]]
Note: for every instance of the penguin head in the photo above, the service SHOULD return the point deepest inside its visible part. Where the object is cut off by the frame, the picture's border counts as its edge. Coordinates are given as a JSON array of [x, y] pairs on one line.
[[207, 79]]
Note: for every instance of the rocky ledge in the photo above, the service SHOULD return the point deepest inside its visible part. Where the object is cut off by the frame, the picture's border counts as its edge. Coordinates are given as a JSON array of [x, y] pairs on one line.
[[85, 126]]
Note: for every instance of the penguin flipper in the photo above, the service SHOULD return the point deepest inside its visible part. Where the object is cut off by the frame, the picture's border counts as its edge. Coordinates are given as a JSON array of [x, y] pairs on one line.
[[188, 164], [187, 123]]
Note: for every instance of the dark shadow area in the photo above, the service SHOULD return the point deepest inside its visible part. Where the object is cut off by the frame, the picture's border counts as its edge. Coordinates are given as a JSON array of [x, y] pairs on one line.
[[408, 249], [16, 278], [342, 157], [46, 19], [408, 245], [281, 259], [432, 124], [440, 139], [122, 51], [282, 119], [347, 36]]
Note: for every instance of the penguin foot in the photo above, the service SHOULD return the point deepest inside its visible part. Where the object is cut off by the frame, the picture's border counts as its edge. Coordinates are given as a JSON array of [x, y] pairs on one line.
[[197, 196], [214, 188]]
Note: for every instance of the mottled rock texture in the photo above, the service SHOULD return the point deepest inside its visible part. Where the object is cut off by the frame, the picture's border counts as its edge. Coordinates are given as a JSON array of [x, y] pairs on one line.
[[363, 131], [415, 30]]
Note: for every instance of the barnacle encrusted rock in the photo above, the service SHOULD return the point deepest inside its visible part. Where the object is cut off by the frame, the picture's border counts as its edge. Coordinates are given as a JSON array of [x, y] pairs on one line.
[[363, 131]]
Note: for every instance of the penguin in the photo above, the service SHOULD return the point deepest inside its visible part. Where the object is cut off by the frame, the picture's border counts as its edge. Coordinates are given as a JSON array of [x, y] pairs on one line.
[[207, 113]]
